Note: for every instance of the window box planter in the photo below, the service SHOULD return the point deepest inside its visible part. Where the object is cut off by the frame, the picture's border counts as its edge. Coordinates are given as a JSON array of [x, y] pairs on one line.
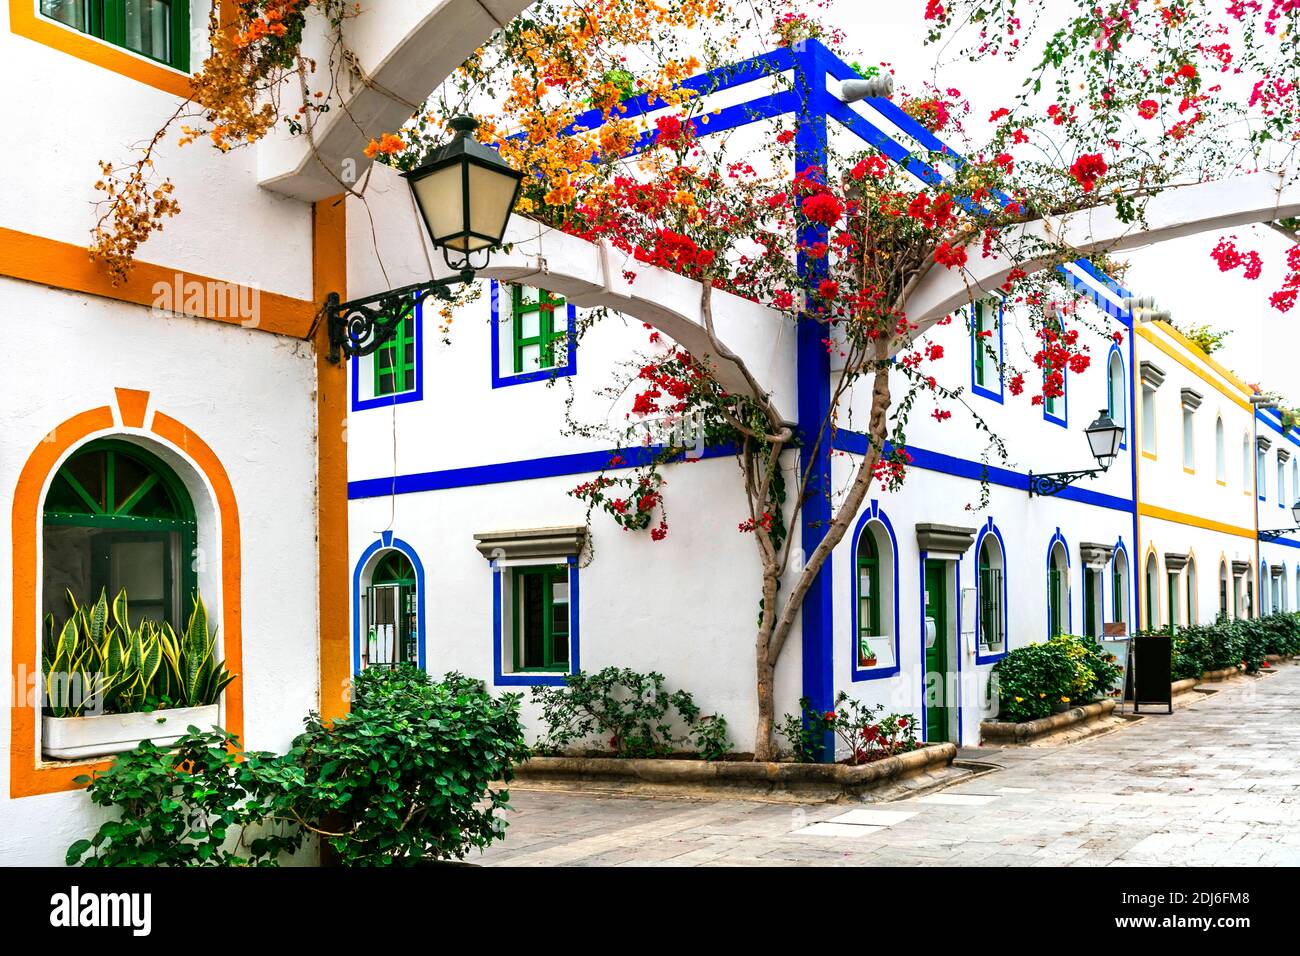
[[76, 738]]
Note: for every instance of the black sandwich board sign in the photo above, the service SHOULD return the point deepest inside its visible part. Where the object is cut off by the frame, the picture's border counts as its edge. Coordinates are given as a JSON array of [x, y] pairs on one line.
[[1153, 671]]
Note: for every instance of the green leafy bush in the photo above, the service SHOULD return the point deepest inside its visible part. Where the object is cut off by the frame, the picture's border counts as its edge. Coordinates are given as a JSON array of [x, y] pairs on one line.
[[406, 776], [1226, 644], [629, 713], [1068, 669], [181, 806], [408, 773]]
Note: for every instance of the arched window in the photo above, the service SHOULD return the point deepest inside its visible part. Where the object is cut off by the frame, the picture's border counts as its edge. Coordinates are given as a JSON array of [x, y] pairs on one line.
[[1151, 597], [1224, 591], [1245, 463], [1116, 406], [992, 625], [1192, 604], [117, 518], [1058, 591], [1265, 587], [1220, 453], [873, 585], [1119, 587], [392, 613], [1295, 481]]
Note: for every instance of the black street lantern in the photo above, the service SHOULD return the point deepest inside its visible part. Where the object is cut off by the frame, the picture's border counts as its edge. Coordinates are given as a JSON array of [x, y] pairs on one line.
[[465, 193], [1104, 437], [1278, 532]]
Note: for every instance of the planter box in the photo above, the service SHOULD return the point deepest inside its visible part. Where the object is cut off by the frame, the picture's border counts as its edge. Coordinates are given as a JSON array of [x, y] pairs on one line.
[[1225, 674], [1009, 732], [75, 738], [740, 775]]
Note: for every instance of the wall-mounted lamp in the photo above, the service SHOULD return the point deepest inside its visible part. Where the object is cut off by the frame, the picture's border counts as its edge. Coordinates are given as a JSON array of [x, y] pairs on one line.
[[1104, 438]]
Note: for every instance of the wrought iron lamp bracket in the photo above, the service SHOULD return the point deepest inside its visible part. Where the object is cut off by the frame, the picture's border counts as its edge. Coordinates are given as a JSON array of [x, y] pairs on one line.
[[360, 326], [1276, 533], [1044, 486]]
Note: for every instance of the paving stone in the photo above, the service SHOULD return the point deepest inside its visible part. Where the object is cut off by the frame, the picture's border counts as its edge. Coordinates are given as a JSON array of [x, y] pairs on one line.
[[1215, 784]]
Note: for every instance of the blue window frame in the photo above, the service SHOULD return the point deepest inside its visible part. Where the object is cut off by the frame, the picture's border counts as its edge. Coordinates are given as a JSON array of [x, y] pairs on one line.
[[991, 623], [525, 319], [1117, 392], [510, 666], [874, 604], [986, 348]]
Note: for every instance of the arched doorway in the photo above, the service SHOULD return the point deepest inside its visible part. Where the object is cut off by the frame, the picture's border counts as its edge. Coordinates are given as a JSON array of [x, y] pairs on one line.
[[388, 606], [116, 518]]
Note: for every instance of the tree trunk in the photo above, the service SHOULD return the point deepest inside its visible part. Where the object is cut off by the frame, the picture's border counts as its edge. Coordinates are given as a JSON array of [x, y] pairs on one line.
[[764, 748]]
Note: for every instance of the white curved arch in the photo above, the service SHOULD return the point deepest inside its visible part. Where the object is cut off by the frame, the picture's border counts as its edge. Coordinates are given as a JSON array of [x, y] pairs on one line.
[[1175, 212]]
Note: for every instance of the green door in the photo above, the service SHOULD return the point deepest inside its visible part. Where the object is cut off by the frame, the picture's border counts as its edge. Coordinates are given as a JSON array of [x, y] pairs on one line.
[[936, 651]]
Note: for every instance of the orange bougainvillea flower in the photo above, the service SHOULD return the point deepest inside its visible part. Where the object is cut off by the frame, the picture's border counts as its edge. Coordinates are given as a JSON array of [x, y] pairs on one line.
[[388, 144]]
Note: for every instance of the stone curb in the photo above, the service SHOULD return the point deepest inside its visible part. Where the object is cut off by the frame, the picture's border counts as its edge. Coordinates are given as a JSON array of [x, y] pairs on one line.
[[1007, 732], [713, 774]]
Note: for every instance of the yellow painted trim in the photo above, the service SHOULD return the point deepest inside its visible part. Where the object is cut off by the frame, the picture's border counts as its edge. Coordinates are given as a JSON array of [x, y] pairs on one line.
[[1196, 370], [1189, 471], [1151, 455], [28, 774], [1195, 521], [329, 258], [67, 266], [1197, 351], [25, 22], [1221, 482]]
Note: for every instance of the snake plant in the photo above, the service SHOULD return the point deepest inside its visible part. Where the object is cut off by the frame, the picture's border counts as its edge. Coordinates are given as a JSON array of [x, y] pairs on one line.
[[97, 662]]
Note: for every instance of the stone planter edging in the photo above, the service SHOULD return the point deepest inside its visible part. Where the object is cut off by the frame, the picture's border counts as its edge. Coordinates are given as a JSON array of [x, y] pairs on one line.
[[742, 774], [1219, 675], [1006, 731], [1182, 686]]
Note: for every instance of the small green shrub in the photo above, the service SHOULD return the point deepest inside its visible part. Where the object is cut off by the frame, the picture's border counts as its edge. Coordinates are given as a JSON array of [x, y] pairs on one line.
[[629, 713], [1225, 644], [866, 734], [1032, 679], [181, 805]]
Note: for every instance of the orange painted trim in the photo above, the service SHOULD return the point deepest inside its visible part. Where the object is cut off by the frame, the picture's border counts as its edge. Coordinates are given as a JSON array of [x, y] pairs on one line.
[[25, 22], [67, 266], [330, 274], [132, 403], [28, 775]]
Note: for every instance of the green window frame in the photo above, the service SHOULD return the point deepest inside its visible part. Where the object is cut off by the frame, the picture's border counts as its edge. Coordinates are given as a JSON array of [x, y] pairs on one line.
[[126, 495], [1171, 585], [545, 306], [396, 571], [981, 353], [1090, 602], [990, 579], [1118, 599], [131, 25], [1054, 600], [867, 586], [395, 361], [539, 619]]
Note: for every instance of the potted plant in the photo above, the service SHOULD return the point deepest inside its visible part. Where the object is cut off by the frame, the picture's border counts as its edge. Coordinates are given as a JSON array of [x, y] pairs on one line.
[[866, 656], [109, 685]]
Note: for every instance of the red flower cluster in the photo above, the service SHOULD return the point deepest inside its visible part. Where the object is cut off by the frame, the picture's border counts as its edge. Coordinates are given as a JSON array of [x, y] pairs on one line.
[[673, 250], [1229, 257], [823, 207], [950, 256], [1087, 169], [1147, 109]]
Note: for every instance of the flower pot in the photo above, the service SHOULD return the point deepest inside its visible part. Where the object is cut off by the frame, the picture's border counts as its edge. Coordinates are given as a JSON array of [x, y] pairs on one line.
[[75, 738]]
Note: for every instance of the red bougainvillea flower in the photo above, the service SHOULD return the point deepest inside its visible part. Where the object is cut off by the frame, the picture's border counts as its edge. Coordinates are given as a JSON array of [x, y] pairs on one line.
[[823, 208], [1087, 169], [783, 299], [998, 114], [934, 10], [829, 715], [828, 289], [950, 256], [1147, 109], [902, 722]]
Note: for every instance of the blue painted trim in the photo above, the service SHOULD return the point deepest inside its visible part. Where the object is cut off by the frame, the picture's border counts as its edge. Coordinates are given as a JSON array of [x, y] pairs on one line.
[[387, 542], [991, 528], [499, 676], [1069, 609], [360, 404], [1115, 349], [983, 390], [856, 443], [553, 466], [1285, 542], [817, 614], [925, 711], [502, 380], [857, 673], [956, 643]]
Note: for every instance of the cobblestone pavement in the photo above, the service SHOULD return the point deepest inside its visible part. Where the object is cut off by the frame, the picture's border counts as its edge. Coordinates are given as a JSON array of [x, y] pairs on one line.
[[1215, 783]]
